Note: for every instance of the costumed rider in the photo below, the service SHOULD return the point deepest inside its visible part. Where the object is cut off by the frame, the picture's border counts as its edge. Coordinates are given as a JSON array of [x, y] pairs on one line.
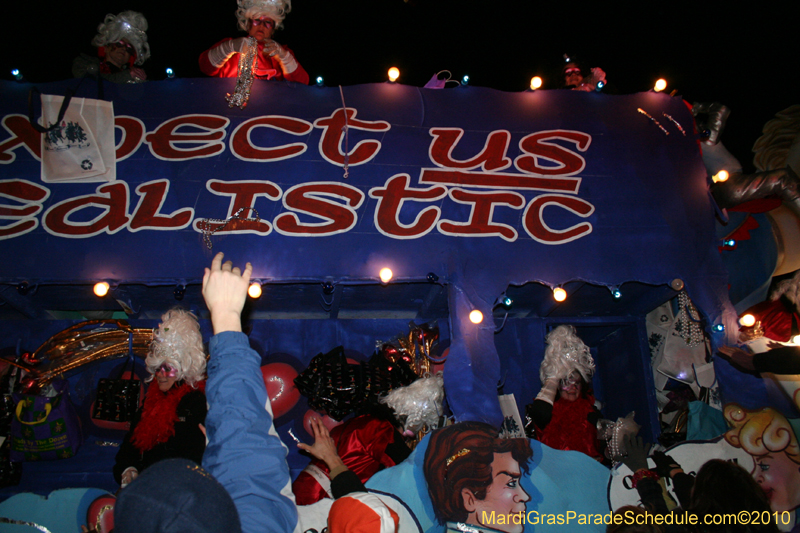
[[267, 59], [167, 426], [122, 48], [580, 79], [564, 412]]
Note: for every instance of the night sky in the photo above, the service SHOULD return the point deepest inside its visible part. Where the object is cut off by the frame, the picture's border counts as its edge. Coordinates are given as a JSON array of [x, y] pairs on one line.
[[742, 56]]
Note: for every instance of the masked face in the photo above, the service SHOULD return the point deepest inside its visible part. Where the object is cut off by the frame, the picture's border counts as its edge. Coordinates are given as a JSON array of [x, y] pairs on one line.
[[505, 496], [261, 28], [119, 53], [166, 376], [570, 388], [572, 75]]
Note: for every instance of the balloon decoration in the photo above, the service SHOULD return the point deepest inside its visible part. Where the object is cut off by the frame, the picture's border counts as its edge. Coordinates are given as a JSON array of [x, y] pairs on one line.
[[327, 421], [279, 379]]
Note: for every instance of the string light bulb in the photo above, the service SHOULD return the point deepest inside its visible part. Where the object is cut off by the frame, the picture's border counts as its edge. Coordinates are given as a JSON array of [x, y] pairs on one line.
[[720, 176], [465, 80], [320, 81], [661, 84], [747, 320], [536, 82], [101, 288], [17, 74], [386, 275], [394, 73], [254, 290], [475, 316], [796, 339], [170, 73], [559, 294]]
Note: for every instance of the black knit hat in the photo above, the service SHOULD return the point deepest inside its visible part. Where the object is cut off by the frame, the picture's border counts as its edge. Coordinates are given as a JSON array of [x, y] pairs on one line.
[[175, 496]]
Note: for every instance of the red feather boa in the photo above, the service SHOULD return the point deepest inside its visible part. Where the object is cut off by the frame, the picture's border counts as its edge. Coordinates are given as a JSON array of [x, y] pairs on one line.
[[569, 429], [157, 423]]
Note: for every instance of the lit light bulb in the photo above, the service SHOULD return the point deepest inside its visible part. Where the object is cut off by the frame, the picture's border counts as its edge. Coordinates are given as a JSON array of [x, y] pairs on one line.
[[719, 328], [616, 293], [720, 176], [536, 82], [385, 275], [465, 80], [661, 84], [559, 294], [170, 73], [17, 74], [101, 288], [254, 290], [796, 339], [394, 73], [475, 316], [747, 320], [320, 81]]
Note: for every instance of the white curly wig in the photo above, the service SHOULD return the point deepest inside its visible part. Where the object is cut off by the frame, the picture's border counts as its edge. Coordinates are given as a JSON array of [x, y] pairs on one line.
[[790, 288], [128, 25], [251, 9], [178, 341], [566, 353], [419, 403]]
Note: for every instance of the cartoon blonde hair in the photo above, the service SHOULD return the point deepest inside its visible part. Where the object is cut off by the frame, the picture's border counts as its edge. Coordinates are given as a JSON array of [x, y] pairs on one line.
[[178, 341], [252, 9], [761, 432]]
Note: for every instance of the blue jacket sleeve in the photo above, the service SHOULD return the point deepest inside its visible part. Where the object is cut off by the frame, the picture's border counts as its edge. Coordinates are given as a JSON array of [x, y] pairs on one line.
[[244, 451]]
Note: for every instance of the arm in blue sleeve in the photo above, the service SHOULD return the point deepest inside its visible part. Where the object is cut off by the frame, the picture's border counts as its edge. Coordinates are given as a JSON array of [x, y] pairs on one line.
[[244, 452]]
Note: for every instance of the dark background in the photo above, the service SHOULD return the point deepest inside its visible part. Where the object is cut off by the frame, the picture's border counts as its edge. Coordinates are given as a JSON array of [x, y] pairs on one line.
[[743, 56]]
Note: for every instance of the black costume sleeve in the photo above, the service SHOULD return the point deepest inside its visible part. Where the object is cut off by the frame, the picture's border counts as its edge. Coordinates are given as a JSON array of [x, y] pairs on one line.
[[785, 360], [541, 412], [397, 449], [650, 493], [191, 413], [345, 483], [127, 455], [682, 484]]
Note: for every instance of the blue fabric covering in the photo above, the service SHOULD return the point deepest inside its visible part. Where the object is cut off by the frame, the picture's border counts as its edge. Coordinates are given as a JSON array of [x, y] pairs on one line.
[[705, 422], [63, 511], [558, 482]]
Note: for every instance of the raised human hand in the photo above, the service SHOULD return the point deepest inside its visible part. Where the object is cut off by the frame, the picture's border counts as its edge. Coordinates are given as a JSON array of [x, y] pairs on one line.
[[738, 357], [225, 291], [324, 447]]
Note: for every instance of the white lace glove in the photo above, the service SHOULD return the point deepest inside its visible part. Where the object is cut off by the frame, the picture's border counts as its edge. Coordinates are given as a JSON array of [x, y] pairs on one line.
[[128, 475], [287, 60], [549, 390], [221, 53]]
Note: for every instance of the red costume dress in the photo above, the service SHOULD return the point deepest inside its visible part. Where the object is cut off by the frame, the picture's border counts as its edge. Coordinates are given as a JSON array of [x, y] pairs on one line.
[[267, 68], [365, 443], [572, 427], [776, 318]]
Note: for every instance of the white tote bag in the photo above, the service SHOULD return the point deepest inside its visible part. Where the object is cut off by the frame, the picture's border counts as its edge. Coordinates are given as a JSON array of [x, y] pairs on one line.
[[81, 146]]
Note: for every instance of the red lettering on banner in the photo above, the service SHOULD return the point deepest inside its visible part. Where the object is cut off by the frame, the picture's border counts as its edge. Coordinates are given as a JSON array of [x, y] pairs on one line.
[[480, 218], [496, 180], [492, 157], [243, 148], [147, 214], [390, 202], [536, 227], [243, 196], [169, 144], [310, 198], [112, 198], [333, 133], [31, 196], [132, 135], [22, 134], [537, 145]]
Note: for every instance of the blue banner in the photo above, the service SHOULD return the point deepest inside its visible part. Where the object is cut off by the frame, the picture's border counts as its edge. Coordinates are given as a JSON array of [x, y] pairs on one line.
[[482, 187]]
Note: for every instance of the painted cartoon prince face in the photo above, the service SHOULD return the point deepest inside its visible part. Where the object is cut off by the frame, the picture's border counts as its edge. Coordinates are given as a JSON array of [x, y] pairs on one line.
[[503, 507], [473, 477]]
